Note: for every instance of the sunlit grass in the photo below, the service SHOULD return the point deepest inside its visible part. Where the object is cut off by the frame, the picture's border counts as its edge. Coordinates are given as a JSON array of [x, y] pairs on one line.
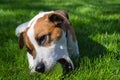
[[97, 26]]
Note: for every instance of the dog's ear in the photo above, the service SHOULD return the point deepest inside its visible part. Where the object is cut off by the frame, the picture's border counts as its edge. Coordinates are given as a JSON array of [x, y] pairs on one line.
[[21, 40], [20, 30], [63, 13], [56, 19]]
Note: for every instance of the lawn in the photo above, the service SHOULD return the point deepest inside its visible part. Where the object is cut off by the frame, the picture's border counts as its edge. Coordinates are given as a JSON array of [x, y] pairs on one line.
[[97, 26]]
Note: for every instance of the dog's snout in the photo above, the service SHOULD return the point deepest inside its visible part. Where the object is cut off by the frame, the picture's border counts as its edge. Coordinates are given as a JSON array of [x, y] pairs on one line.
[[40, 67]]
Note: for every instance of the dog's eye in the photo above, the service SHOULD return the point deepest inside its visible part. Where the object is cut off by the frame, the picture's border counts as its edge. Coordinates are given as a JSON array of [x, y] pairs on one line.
[[42, 40]]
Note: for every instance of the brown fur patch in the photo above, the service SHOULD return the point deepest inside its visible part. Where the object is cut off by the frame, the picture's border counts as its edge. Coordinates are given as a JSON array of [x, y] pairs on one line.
[[67, 24], [44, 26], [29, 46], [63, 13], [69, 27]]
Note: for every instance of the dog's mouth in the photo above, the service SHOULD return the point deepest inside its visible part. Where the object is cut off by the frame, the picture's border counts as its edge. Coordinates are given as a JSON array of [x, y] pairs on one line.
[[67, 66]]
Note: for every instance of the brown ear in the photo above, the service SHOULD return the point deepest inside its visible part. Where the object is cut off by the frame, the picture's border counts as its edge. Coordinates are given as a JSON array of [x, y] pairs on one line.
[[21, 41], [62, 12], [56, 19]]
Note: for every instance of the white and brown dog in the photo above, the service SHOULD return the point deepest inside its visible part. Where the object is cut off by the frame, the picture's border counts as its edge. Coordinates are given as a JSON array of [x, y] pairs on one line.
[[48, 38]]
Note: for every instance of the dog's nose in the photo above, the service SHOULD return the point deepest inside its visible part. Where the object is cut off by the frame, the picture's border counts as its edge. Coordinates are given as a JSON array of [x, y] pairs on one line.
[[40, 67]]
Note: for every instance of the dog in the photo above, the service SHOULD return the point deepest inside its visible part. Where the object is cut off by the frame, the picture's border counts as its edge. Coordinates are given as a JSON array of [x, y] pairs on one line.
[[48, 38]]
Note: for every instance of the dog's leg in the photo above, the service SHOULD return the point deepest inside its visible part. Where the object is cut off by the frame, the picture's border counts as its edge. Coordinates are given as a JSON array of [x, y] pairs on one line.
[[31, 63]]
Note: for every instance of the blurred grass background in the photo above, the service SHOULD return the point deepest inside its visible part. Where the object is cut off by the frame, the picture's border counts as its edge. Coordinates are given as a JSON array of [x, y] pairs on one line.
[[97, 26]]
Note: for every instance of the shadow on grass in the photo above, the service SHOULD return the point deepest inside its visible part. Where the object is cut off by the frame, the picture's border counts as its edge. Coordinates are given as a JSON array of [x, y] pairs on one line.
[[39, 5], [88, 47]]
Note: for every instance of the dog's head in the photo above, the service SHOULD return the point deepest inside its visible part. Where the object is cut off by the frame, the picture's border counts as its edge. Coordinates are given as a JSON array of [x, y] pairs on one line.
[[45, 39]]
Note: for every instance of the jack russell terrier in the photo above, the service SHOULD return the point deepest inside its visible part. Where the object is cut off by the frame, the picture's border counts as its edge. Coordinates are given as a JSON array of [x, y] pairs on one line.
[[48, 38]]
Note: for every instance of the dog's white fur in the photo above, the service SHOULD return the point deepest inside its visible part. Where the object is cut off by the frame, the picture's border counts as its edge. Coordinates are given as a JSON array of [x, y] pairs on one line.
[[49, 55]]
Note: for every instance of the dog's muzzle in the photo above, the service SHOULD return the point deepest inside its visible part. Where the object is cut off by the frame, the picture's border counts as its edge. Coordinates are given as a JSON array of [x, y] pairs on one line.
[[67, 67]]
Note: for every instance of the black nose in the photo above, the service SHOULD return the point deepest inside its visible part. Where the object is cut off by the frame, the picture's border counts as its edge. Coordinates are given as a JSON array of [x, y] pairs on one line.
[[40, 67]]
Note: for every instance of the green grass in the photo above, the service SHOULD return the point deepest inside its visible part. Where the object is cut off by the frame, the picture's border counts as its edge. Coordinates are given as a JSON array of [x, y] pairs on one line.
[[97, 26]]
